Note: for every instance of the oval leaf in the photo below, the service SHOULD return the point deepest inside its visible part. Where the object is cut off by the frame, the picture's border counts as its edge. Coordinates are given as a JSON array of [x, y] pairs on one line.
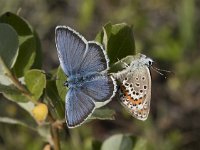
[[118, 40], [17, 97], [35, 81], [19, 24], [8, 116], [12, 93], [8, 45], [26, 57], [102, 36], [103, 114], [118, 142], [28, 43]]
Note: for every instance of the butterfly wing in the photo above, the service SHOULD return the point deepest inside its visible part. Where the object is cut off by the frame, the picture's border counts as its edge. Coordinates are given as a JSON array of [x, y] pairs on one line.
[[79, 106], [80, 102], [135, 92], [95, 59], [101, 88], [71, 47], [76, 55], [88, 60]]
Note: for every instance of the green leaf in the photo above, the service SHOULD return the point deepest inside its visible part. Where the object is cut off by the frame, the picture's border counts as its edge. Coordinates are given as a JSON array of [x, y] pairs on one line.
[[61, 79], [9, 89], [9, 113], [11, 93], [103, 36], [17, 97], [103, 114], [28, 106], [38, 58], [19, 24], [118, 40], [121, 64], [58, 105], [28, 44], [8, 45], [118, 142], [13, 121], [35, 81], [26, 57]]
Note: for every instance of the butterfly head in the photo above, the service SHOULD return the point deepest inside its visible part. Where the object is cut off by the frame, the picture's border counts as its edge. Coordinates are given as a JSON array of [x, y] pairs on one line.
[[144, 60]]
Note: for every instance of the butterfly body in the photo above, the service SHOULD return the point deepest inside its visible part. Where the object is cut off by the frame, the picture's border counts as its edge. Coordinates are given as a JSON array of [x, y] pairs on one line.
[[78, 80], [85, 63]]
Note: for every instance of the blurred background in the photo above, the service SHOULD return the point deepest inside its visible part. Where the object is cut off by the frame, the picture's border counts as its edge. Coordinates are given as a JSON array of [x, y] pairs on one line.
[[168, 31]]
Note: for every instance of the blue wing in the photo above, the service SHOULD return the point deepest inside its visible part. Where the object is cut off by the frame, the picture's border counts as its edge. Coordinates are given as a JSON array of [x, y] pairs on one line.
[[80, 101], [101, 88], [71, 47], [79, 107], [95, 59], [76, 55]]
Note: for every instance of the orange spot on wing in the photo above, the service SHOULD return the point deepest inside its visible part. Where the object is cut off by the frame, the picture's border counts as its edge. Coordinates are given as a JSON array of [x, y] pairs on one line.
[[128, 97], [126, 93]]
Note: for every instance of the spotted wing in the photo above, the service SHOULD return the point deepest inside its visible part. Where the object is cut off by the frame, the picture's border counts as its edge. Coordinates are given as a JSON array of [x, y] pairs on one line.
[[135, 92], [79, 106]]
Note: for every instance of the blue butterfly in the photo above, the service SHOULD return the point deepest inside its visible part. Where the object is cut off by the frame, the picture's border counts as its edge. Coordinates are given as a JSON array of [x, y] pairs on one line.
[[85, 63]]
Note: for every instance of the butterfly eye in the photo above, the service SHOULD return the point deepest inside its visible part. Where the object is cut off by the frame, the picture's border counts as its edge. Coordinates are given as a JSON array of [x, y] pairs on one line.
[[150, 63]]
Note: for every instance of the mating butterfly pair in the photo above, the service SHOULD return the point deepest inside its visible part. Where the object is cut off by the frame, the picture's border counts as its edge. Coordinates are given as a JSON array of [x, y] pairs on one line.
[[86, 64]]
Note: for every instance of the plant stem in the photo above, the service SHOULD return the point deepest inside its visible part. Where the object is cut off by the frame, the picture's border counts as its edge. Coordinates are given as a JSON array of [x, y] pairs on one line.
[[54, 132], [55, 137], [16, 82]]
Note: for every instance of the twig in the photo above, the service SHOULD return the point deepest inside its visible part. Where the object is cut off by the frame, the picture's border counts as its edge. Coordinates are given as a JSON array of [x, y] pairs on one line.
[[16, 82], [54, 132]]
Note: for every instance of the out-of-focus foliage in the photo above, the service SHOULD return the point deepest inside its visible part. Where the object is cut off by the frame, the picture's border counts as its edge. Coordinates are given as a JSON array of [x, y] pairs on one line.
[[33, 88], [167, 31], [118, 41]]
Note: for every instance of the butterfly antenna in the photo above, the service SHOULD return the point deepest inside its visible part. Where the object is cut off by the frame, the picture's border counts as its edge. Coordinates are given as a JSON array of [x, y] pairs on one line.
[[163, 70], [159, 71]]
